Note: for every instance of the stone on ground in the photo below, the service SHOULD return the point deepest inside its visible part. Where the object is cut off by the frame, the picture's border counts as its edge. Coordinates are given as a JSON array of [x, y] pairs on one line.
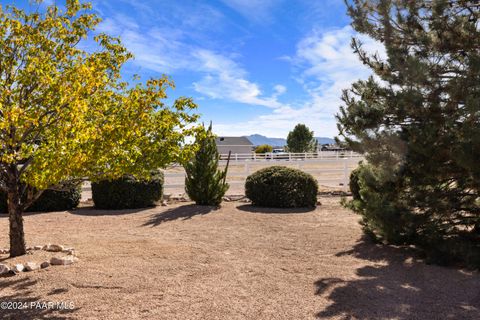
[[31, 266], [53, 248], [4, 268], [62, 260], [18, 268]]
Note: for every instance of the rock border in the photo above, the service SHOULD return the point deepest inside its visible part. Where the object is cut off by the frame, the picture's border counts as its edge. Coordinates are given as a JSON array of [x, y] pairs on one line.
[[69, 259]]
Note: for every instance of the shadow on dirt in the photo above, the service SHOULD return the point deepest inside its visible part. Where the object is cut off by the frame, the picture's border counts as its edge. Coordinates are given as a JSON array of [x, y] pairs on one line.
[[397, 284], [264, 210], [184, 212], [28, 213], [22, 305], [91, 211]]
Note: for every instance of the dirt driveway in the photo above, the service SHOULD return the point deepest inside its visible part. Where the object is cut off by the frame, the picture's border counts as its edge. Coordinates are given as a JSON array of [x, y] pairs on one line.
[[189, 262]]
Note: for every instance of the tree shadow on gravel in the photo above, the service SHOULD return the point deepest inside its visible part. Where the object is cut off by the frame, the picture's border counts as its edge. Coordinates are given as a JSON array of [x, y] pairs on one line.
[[184, 212], [91, 211], [265, 210], [86, 211], [32, 306], [398, 285], [28, 213]]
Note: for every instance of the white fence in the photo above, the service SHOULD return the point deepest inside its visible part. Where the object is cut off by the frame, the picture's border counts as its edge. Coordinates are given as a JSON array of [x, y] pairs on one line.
[[329, 168], [290, 156]]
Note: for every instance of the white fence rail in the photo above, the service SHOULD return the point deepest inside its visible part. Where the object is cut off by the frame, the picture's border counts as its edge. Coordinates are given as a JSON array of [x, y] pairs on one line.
[[329, 168], [290, 156]]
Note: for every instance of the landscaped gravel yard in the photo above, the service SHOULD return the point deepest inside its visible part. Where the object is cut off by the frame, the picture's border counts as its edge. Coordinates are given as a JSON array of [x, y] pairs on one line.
[[188, 262]]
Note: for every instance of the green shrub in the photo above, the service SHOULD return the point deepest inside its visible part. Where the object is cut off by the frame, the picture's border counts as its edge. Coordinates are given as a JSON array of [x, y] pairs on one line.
[[264, 148], [204, 182], [459, 250], [354, 184], [51, 200], [381, 199], [128, 192], [378, 201], [281, 187], [3, 202], [57, 200]]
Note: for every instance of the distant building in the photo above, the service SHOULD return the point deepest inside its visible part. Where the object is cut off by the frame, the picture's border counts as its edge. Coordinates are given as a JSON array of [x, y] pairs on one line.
[[234, 144]]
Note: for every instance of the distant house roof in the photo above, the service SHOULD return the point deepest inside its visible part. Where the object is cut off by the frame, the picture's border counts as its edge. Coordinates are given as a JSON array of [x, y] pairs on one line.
[[233, 141]]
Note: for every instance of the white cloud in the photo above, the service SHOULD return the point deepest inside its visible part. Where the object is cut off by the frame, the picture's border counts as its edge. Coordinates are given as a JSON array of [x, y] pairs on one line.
[[331, 66], [256, 10], [166, 50], [157, 49], [225, 79], [279, 90], [117, 25], [160, 50], [326, 66]]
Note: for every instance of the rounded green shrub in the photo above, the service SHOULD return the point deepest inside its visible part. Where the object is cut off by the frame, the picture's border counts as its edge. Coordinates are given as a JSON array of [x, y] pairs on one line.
[[57, 200], [128, 192], [281, 187], [50, 200], [264, 148]]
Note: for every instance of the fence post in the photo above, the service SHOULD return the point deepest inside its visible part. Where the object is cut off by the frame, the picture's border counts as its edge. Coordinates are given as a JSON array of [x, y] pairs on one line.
[[345, 175], [290, 156]]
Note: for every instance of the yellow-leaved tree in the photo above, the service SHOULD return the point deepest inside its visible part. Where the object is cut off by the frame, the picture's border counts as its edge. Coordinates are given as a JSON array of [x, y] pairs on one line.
[[66, 114]]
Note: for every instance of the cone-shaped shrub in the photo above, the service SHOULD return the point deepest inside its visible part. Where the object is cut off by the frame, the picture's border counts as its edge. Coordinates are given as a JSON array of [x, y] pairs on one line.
[[204, 182], [281, 187]]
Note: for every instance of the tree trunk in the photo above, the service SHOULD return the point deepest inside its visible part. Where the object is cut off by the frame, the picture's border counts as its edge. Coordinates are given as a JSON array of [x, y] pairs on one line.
[[17, 236]]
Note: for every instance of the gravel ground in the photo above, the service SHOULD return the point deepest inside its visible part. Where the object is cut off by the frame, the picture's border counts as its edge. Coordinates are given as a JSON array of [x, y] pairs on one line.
[[190, 262]]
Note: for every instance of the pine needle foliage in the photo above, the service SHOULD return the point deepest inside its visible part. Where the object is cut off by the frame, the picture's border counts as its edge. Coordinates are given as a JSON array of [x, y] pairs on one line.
[[204, 182], [417, 120], [301, 139]]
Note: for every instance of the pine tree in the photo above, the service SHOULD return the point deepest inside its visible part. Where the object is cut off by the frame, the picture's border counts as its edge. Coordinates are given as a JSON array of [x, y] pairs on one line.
[[418, 124], [204, 183], [301, 139]]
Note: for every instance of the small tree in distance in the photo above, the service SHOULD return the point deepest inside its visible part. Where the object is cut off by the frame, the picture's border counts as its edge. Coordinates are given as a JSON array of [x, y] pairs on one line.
[[264, 148], [204, 183], [301, 139]]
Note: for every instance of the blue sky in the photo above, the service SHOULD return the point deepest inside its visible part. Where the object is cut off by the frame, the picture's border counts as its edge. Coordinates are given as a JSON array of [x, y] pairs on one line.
[[252, 66]]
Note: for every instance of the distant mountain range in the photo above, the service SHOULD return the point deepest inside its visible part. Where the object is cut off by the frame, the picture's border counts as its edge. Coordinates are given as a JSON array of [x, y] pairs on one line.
[[325, 140], [258, 139]]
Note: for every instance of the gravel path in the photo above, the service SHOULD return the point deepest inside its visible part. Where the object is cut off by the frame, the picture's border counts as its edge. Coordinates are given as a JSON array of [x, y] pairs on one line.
[[189, 262]]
